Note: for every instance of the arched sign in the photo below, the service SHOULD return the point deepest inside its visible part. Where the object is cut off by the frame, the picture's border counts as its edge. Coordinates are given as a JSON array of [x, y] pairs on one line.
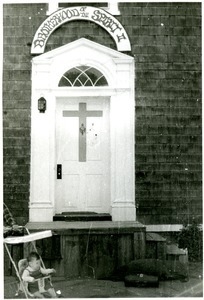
[[87, 13]]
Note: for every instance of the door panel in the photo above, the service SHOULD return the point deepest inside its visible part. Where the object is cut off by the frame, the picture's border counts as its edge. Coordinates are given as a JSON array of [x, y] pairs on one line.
[[93, 195]]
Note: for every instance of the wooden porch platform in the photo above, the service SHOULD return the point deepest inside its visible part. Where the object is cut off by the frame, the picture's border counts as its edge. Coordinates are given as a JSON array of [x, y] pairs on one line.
[[91, 225], [94, 249]]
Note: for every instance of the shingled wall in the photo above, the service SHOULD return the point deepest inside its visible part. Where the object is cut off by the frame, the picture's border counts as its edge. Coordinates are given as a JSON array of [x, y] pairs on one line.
[[166, 45]]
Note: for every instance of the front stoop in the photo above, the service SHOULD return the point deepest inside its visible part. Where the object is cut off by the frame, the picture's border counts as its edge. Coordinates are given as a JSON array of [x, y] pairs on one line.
[[94, 248], [97, 248]]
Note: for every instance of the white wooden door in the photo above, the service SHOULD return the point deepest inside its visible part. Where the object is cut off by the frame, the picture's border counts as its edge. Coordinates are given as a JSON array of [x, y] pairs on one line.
[[83, 153]]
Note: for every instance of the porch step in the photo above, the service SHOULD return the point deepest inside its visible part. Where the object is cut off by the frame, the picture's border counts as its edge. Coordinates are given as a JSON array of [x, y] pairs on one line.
[[82, 216], [160, 248], [155, 246]]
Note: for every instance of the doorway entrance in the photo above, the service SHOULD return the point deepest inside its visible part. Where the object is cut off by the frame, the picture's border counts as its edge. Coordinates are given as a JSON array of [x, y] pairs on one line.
[[82, 155], [82, 146]]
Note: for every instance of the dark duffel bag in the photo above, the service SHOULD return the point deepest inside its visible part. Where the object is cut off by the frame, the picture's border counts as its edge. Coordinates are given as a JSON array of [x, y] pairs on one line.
[[141, 280]]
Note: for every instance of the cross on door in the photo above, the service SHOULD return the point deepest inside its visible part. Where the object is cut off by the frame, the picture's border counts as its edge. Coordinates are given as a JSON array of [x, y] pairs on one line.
[[82, 114]]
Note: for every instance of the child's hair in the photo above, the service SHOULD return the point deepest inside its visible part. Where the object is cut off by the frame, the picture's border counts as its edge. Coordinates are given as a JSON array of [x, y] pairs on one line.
[[32, 256]]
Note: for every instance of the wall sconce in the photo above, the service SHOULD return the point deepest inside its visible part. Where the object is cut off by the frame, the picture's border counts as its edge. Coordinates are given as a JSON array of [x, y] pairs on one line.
[[42, 105]]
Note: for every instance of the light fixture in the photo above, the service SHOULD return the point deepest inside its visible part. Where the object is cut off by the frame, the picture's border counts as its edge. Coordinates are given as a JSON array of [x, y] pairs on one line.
[[42, 105]]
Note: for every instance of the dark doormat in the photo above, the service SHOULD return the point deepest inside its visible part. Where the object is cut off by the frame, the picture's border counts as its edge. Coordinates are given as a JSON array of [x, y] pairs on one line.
[[82, 216]]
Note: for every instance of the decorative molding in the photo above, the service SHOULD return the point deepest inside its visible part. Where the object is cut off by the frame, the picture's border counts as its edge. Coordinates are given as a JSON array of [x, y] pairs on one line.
[[87, 13]]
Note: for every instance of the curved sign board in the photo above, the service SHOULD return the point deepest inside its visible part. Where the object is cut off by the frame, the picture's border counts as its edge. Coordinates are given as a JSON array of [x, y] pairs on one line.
[[87, 13]]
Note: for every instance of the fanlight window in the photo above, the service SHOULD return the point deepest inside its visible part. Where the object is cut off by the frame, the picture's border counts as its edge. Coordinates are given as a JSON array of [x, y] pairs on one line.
[[83, 76]]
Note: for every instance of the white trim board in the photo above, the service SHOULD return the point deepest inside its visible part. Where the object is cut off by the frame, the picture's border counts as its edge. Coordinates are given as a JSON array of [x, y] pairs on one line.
[[165, 227]]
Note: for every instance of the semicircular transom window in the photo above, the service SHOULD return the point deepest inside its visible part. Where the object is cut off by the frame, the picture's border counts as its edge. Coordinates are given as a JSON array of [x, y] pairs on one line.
[[83, 76]]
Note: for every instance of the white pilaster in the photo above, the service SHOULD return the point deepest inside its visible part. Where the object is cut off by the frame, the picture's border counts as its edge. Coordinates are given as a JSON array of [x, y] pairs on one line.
[[122, 171]]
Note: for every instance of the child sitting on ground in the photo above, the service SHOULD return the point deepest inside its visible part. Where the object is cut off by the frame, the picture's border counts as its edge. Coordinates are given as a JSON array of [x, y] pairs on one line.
[[34, 271]]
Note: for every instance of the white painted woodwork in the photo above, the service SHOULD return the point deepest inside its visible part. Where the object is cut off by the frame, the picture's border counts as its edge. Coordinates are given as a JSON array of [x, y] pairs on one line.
[[47, 69]]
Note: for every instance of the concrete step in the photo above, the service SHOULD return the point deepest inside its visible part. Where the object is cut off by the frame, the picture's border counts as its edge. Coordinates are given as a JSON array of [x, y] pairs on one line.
[[173, 249]]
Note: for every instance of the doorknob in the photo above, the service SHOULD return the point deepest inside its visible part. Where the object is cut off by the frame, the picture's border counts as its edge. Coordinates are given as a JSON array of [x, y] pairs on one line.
[[59, 171]]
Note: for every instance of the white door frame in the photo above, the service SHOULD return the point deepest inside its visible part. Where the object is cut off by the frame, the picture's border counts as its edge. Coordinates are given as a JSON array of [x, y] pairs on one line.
[[47, 70]]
